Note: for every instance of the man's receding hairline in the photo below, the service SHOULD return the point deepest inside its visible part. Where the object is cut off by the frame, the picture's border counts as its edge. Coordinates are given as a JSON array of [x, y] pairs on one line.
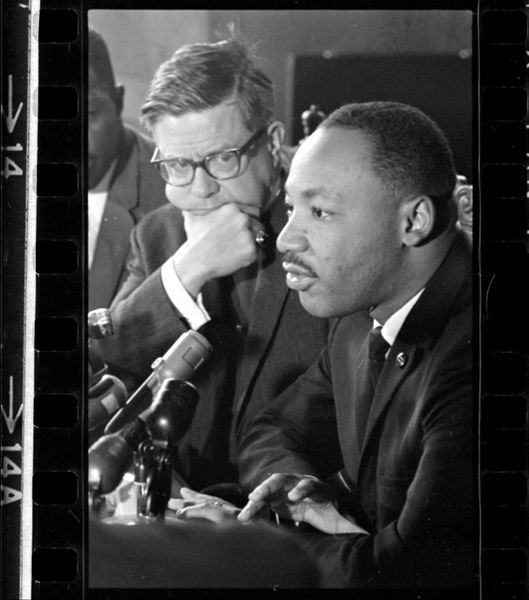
[[367, 155], [367, 151]]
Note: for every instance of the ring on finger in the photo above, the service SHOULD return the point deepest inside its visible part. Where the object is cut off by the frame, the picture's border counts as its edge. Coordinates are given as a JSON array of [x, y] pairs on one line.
[[261, 238]]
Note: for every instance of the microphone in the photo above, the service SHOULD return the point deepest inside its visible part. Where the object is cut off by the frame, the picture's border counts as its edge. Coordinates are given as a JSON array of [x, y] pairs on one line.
[[172, 411], [106, 393], [166, 421], [111, 456], [179, 362], [105, 398]]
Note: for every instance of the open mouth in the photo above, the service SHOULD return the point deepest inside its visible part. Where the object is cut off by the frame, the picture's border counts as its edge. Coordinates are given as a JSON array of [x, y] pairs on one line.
[[298, 278]]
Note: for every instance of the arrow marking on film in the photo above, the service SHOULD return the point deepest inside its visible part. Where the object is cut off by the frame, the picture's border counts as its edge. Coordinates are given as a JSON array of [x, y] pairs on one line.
[[11, 421], [11, 120]]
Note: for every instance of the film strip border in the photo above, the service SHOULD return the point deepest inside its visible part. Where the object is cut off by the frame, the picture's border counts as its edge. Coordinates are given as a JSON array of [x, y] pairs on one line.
[[59, 447], [505, 315], [17, 342]]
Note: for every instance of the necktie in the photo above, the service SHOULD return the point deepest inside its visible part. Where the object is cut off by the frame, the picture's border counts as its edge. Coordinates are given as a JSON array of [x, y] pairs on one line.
[[377, 348], [377, 354]]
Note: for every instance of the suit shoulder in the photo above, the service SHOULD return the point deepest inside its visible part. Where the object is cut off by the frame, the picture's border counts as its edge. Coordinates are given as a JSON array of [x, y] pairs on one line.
[[458, 333]]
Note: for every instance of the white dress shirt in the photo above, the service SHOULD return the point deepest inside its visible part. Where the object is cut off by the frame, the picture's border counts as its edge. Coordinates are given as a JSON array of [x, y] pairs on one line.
[[193, 311], [97, 200], [392, 326]]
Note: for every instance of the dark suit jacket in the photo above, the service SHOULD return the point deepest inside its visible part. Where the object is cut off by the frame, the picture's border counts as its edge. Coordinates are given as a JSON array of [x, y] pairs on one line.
[[408, 461], [135, 190], [245, 371]]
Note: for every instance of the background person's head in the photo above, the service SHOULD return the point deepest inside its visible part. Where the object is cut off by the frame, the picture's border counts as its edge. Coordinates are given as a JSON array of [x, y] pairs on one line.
[[105, 103], [210, 97], [372, 210]]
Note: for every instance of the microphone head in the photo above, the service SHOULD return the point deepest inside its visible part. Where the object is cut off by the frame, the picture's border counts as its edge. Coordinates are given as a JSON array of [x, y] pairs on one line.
[[108, 460], [184, 357], [100, 324], [111, 456], [180, 362], [172, 411]]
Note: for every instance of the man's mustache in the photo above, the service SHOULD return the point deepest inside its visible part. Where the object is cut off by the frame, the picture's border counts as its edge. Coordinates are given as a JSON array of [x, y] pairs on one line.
[[290, 257]]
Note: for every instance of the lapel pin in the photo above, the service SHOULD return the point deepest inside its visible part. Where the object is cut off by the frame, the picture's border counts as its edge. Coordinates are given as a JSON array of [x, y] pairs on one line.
[[401, 360]]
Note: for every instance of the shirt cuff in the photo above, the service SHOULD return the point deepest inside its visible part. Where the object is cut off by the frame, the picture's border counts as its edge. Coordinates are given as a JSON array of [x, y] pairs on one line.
[[194, 312]]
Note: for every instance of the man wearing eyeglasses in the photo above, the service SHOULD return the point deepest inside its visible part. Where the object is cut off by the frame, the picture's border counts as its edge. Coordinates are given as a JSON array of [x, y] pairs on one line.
[[209, 255]]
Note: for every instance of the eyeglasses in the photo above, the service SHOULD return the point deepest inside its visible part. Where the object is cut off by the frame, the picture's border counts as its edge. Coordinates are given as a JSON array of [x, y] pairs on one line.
[[225, 164]]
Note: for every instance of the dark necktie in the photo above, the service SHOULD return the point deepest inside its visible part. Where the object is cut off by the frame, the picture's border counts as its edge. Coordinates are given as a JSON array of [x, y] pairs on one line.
[[377, 348], [377, 354]]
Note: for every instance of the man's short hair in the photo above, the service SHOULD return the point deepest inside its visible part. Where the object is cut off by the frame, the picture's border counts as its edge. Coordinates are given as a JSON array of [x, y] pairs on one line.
[[409, 153], [201, 76], [99, 65]]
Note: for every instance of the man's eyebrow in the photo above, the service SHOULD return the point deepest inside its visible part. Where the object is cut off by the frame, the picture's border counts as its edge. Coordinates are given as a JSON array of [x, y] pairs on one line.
[[221, 148], [310, 193]]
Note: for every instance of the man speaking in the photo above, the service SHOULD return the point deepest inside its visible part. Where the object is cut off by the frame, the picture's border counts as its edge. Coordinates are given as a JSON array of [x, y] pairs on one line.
[[372, 240]]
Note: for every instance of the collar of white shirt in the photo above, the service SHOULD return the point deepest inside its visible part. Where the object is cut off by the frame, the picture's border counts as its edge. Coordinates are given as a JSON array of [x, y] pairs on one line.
[[392, 326]]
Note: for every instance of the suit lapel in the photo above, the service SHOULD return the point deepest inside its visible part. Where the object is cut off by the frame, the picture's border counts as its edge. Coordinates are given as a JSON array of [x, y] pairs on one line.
[[360, 415], [418, 333], [390, 379], [124, 186], [270, 297]]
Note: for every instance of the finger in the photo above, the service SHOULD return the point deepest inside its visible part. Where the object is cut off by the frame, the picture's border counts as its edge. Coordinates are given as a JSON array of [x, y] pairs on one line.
[[186, 492], [252, 210], [217, 512], [253, 215], [304, 489], [255, 224], [258, 232], [273, 485], [177, 504], [199, 497], [196, 511], [291, 512], [250, 511]]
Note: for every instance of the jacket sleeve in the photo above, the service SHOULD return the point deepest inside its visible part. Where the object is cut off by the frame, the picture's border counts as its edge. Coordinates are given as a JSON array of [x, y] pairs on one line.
[[146, 321], [296, 433], [428, 542]]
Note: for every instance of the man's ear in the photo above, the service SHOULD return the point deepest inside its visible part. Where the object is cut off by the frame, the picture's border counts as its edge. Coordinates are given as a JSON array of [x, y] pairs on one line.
[[119, 95], [418, 219], [276, 135]]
